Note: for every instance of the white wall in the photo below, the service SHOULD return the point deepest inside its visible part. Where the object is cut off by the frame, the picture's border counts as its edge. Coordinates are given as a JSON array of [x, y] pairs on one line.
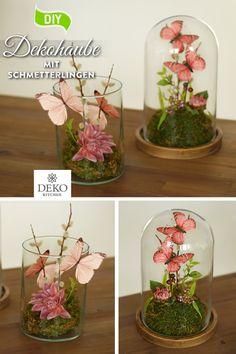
[[124, 24], [134, 215], [93, 220]]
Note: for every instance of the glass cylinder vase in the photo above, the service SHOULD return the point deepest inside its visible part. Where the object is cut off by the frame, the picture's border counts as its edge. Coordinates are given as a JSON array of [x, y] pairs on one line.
[[177, 263], [91, 142], [181, 83], [52, 301]]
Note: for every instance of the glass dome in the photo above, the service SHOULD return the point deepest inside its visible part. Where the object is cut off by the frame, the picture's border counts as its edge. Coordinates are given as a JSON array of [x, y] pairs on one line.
[[177, 263], [180, 83]]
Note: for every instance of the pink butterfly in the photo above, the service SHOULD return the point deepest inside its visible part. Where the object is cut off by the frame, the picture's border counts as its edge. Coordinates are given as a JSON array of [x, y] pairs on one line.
[[165, 255], [85, 266], [164, 252], [173, 34], [177, 232], [56, 107], [175, 263], [193, 62], [37, 266], [48, 275], [105, 107]]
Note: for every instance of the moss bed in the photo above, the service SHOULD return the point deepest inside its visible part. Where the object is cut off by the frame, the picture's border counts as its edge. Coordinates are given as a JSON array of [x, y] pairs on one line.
[[56, 327], [89, 171], [184, 128], [174, 318]]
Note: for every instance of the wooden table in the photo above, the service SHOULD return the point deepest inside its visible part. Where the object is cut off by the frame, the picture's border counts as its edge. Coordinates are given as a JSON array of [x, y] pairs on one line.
[[27, 142], [223, 342], [98, 336]]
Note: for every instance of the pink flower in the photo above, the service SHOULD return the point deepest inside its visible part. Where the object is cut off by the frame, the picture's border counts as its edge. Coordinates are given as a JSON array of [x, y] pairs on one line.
[[197, 101], [162, 294], [94, 144], [49, 302]]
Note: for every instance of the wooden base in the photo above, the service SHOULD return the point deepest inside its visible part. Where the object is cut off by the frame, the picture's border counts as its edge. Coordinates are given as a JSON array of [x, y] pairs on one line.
[[179, 153], [4, 300], [170, 342]]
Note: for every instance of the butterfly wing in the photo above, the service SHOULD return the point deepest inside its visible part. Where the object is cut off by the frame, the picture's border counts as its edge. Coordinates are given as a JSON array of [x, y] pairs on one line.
[[86, 266], [178, 238], [37, 266], [195, 61], [184, 74], [73, 257], [51, 272], [176, 262], [171, 32], [167, 230], [165, 251], [177, 44], [189, 224], [92, 112], [55, 107], [72, 101], [180, 218], [107, 108], [188, 38]]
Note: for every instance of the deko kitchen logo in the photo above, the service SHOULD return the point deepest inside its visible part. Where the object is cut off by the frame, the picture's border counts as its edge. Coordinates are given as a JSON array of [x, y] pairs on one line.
[[52, 19], [54, 184]]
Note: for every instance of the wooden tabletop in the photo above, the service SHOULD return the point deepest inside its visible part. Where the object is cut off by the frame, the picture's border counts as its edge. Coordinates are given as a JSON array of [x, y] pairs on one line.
[[98, 336], [27, 142], [223, 342]]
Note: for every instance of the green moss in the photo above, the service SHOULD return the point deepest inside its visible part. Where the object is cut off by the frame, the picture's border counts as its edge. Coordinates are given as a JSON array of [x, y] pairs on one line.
[[56, 327], [89, 171], [184, 128], [174, 318]]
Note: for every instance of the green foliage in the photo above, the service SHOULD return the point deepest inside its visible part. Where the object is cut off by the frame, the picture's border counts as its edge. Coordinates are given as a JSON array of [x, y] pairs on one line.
[[196, 308], [192, 289], [195, 275], [70, 131], [155, 284], [166, 79], [184, 128], [203, 94], [164, 279], [56, 327], [174, 318]]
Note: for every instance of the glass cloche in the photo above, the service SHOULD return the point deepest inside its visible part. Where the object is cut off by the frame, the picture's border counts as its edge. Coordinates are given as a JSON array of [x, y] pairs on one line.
[[180, 83], [177, 262]]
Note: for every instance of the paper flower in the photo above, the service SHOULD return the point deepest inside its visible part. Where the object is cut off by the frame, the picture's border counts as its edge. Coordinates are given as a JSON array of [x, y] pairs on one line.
[[197, 101], [162, 294], [49, 302], [94, 144]]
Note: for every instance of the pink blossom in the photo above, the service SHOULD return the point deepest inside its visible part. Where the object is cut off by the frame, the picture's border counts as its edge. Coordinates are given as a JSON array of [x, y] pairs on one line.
[[162, 294], [49, 302], [94, 144], [197, 101]]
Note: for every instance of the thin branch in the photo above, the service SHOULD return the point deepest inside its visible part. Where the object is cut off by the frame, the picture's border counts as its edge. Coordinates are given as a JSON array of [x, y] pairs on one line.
[[105, 90], [37, 246], [66, 228]]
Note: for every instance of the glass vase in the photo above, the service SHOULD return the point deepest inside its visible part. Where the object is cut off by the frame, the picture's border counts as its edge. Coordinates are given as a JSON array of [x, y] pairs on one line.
[[181, 83], [91, 142], [52, 301], [177, 263]]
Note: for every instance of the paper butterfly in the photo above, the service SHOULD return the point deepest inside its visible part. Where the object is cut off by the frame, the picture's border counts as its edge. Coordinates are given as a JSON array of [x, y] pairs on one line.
[[105, 107], [193, 62], [165, 255], [38, 266], [173, 34], [177, 232], [57, 107], [85, 266]]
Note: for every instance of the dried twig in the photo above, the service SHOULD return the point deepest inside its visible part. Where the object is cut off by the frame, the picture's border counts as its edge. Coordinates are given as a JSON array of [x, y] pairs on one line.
[[66, 227]]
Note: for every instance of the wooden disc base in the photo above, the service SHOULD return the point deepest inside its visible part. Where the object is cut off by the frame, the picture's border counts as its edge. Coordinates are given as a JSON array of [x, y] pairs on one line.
[[170, 342], [4, 300], [179, 153]]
